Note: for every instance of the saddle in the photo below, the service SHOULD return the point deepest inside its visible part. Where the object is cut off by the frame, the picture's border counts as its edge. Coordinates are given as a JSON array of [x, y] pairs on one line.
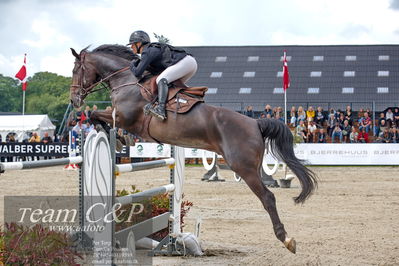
[[180, 97]]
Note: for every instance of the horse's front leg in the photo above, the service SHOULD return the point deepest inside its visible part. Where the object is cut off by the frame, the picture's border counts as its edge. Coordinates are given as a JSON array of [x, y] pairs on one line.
[[103, 119]]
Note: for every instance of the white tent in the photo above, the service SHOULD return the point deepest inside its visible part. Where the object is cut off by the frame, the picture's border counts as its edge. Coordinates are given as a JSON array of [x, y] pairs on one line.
[[20, 124]]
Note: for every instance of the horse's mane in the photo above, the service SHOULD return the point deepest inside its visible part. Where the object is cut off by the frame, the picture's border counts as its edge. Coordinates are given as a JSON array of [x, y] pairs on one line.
[[117, 50]]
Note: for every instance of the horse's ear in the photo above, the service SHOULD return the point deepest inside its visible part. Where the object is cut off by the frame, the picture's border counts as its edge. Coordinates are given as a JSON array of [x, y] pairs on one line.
[[75, 54]]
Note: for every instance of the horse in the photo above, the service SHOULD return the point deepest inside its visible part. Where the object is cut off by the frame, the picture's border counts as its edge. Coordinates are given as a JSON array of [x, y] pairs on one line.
[[239, 139]]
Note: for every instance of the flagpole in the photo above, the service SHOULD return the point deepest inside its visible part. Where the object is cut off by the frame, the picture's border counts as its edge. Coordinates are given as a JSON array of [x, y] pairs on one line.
[[23, 102], [285, 106]]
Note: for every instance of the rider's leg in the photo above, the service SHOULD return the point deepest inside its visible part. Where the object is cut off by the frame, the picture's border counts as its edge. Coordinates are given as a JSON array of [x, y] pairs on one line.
[[184, 70]]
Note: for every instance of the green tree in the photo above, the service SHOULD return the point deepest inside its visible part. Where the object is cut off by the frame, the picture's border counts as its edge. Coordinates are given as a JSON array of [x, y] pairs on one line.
[[10, 95], [161, 38]]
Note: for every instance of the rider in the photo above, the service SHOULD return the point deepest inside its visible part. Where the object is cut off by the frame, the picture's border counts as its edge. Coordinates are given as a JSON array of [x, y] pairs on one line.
[[173, 64]]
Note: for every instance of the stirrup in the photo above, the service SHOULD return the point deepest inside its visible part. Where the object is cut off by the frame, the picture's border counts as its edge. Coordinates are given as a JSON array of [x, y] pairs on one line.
[[146, 108], [153, 112]]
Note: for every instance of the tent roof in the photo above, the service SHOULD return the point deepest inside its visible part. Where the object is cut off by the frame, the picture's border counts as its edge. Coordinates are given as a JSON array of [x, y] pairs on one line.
[[15, 123]]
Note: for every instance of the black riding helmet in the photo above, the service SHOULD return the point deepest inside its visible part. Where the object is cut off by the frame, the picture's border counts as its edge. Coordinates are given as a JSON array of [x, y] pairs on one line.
[[139, 36]]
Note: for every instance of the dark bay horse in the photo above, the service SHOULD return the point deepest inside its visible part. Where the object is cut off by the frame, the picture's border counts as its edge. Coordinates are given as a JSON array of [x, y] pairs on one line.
[[238, 138]]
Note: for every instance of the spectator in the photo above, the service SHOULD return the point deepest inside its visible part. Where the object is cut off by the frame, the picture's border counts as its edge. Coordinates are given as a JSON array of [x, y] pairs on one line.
[[346, 131], [301, 114], [33, 139], [249, 111], [396, 116], [363, 136], [387, 136], [392, 134], [268, 110], [330, 124], [354, 135], [396, 139], [301, 130], [280, 111], [108, 108], [360, 115], [46, 140], [389, 117], [278, 117], [366, 123], [11, 138], [321, 136], [337, 132], [87, 113], [319, 118], [87, 128], [379, 123], [341, 119], [312, 128], [310, 114], [331, 111], [293, 116], [78, 114], [349, 115]]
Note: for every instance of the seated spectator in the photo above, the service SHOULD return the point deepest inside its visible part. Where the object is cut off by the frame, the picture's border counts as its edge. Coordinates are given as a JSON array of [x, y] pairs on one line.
[[354, 135], [363, 136], [293, 116], [393, 134], [301, 130], [396, 139], [312, 128], [365, 123], [396, 116], [268, 110], [346, 131], [310, 114], [331, 111], [78, 115], [321, 136], [360, 115], [338, 113], [319, 118], [301, 114], [331, 124], [341, 119], [386, 136], [249, 111], [337, 132], [349, 115], [379, 123], [389, 117]]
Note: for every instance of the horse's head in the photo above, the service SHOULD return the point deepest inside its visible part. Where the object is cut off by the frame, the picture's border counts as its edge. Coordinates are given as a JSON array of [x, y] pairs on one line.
[[84, 76]]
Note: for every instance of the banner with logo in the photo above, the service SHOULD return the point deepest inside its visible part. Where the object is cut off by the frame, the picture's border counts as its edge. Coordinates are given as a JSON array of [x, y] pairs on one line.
[[312, 153], [348, 154], [33, 149]]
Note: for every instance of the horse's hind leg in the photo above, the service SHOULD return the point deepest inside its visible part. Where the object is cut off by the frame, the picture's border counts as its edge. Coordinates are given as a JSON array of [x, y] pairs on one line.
[[249, 170]]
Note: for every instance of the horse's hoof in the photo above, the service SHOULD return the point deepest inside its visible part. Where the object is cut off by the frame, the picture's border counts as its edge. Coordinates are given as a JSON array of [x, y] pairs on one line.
[[290, 244]]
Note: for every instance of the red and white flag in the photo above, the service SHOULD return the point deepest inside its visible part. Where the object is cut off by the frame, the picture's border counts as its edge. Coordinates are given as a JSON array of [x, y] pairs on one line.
[[22, 75], [286, 75]]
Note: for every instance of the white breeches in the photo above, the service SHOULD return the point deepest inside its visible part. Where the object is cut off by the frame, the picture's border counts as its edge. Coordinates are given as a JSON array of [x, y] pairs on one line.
[[184, 70]]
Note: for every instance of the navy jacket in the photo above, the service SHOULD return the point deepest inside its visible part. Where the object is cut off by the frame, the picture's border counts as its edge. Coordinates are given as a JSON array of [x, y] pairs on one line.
[[156, 57]]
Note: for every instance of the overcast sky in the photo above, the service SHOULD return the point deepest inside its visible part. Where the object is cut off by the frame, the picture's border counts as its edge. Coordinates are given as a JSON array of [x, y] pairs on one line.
[[46, 29]]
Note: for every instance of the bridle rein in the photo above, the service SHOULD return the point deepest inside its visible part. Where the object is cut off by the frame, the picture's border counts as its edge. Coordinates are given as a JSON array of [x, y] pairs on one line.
[[83, 92]]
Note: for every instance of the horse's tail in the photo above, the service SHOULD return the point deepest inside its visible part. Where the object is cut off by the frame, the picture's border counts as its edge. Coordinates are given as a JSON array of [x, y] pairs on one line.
[[281, 144]]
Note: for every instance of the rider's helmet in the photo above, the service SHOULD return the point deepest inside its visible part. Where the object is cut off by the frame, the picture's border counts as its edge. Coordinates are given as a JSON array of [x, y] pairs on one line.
[[139, 36]]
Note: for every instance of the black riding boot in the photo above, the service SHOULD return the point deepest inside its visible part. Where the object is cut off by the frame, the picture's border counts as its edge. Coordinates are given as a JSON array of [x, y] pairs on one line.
[[159, 110]]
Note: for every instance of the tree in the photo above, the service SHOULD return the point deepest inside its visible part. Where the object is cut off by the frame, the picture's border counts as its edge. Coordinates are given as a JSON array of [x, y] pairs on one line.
[[161, 38]]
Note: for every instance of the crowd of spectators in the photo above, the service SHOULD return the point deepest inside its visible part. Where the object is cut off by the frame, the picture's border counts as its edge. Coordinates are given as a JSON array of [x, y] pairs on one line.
[[315, 125]]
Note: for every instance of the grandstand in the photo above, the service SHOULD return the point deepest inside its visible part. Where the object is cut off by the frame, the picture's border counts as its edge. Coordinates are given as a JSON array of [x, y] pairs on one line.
[[332, 76]]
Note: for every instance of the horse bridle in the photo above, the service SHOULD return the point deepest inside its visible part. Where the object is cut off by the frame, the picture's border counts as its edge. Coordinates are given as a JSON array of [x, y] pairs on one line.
[[83, 92]]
